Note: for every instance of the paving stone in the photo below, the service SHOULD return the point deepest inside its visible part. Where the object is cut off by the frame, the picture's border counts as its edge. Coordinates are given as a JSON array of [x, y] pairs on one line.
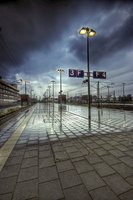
[[86, 140], [6, 196], [59, 156], [67, 144], [117, 183], [105, 138], [110, 159], [19, 146], [32, 153], [122, 147], [117, 153], [103, 169], [77, 159], [58, 148], [45, 154], [107, 146], [93, 158], [123, 170], [64, 165], [127, 196], [92, 180], [84, 151], [78, 145], [93, 145], [28, 173], [100, 142], [94, 138], [103, 193], [46, 162], [71, 149], [26, 190], [77, 193], [8, 171], [47, 174], [130, 153], [17, 153], [130, 180], [28, 162], [75, 154], [83, 166], [100, 151], [117, 139], [113, 143], [44, 147], [69, 178], [31, 147], [50, 191], [14, 160], [127, 160], [7, 184]]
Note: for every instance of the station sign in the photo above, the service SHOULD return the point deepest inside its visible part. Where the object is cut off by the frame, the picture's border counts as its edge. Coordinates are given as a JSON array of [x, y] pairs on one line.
[[76, 73], [100, 75]]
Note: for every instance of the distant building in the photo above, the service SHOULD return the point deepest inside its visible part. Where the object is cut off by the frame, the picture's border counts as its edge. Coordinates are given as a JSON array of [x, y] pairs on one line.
[[25, 100], [9, 94]]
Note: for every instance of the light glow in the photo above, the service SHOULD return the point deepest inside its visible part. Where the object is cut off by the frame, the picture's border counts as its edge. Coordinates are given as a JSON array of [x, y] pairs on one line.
[[88, 31]]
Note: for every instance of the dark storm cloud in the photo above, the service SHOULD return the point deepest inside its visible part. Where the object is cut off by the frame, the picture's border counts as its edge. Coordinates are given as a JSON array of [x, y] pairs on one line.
[[29, 26], [103, 46]]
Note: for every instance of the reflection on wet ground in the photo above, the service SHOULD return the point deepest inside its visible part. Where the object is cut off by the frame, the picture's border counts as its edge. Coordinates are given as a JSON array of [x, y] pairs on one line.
[[49, 122], [48, 155]]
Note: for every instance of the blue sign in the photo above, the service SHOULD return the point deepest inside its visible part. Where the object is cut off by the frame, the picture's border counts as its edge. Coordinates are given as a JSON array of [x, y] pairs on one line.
[[76, 73], [101, 75]]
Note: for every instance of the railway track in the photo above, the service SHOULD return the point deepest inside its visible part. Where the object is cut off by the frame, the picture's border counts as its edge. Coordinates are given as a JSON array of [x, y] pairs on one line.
[[9, 116]]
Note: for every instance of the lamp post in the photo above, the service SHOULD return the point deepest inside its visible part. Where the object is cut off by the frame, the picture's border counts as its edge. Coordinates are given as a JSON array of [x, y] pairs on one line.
[[49, 92], [53, 82], [60, 71], [89, 33]]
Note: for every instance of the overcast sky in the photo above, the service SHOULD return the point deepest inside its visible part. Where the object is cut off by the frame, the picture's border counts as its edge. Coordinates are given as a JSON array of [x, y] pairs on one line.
[[39, 36]]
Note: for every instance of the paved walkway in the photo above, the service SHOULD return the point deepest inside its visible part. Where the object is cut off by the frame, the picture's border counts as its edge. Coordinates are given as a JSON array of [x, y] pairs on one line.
[[56, 158]]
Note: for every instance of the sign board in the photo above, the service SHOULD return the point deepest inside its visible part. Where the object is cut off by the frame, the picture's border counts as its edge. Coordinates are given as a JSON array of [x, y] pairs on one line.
[[101, 75], [76, 73]]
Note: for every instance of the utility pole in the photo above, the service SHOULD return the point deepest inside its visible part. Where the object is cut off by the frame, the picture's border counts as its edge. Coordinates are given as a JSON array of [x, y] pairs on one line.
[[49, 92], [123, 84], [108, 92], [98, 94], [60, 71], [114, 96], [53, 82]]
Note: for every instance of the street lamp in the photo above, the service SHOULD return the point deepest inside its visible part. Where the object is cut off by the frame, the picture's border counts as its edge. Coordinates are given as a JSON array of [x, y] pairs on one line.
[[89, 33], [60, 71], [49, 92], [53, 82]]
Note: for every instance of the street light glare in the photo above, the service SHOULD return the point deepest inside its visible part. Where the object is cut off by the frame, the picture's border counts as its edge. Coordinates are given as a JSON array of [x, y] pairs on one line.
[[91, 33], [82, 31], [88, 31]]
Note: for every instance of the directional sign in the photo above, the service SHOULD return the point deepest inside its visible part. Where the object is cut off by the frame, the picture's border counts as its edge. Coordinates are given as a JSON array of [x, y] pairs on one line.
[[76, 73], [101, 75]]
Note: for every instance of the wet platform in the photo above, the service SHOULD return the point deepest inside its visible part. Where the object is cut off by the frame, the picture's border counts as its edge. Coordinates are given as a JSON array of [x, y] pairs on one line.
[[49, 154]]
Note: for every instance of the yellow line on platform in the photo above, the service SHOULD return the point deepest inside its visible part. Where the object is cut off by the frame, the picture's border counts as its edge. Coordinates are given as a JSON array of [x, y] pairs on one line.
[[7, 148]]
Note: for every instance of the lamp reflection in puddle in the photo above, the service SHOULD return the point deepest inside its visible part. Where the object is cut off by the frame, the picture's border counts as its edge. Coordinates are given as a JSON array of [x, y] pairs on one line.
[[53, 121], [60, 121]]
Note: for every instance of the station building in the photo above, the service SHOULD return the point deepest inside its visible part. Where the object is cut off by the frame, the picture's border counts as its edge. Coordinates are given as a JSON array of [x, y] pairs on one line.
[[9, 94]]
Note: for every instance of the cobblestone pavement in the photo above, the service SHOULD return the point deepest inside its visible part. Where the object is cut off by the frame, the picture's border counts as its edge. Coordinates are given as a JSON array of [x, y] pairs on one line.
[[51, 155]]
